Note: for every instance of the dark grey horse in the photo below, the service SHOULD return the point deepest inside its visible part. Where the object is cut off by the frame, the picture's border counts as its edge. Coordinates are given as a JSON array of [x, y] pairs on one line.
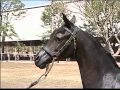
[[98, 68]]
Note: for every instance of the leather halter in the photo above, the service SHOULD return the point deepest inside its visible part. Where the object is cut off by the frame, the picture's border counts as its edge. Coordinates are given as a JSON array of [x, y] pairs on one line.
[[72, 37]]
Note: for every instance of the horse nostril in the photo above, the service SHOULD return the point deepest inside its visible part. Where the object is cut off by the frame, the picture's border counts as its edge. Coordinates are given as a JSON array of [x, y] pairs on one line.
[[56, 50]]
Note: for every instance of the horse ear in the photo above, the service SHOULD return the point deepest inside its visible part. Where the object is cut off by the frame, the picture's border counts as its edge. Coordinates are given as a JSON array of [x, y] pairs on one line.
[[73, 20], [67, 22]]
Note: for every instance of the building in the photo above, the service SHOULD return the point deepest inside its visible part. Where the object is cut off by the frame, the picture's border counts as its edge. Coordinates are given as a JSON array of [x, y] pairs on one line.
[[23, 48]]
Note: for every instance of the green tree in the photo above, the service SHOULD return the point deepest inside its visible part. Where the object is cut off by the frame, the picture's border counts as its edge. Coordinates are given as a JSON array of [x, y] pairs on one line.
[[52, 16], [102, 18], [10, 9], [103, 15]]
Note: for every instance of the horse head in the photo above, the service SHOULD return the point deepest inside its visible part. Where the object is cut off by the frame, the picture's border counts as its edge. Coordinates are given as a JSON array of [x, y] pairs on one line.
[[60, 44]]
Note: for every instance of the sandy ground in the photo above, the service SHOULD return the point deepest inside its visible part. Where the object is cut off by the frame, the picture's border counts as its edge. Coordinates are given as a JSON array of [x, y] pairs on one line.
[[20, 75]]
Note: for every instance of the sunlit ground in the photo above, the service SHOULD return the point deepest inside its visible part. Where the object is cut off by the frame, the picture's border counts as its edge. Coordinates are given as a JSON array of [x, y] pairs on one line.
[[20, 75]]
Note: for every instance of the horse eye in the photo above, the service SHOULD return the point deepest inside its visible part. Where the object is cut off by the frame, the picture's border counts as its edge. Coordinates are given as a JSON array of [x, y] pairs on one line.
[[58, 39]]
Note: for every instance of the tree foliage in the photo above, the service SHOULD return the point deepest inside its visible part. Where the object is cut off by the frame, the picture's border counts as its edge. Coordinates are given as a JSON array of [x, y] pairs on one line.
[[10, 9], [49, 12], [103, 17], [52, 16]]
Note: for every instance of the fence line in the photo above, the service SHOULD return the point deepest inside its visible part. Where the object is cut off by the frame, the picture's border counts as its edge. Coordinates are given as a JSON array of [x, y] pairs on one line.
[[16, 57], [31, 57]]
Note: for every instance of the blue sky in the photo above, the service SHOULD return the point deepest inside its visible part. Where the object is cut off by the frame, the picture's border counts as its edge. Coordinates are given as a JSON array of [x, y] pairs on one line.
[[34, 3]]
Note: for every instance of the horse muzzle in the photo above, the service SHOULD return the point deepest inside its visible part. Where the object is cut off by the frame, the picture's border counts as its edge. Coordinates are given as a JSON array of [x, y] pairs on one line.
[[42, 59]]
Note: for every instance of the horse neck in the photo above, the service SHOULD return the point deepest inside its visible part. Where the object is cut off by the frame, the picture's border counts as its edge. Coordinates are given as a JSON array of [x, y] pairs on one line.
[[92, 59]]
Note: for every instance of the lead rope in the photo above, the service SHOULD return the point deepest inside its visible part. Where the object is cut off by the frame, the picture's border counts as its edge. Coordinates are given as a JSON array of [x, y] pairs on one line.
[[43, 76]]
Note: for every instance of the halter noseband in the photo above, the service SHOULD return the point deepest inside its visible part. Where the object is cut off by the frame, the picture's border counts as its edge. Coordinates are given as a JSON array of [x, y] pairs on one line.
[[72, 37]]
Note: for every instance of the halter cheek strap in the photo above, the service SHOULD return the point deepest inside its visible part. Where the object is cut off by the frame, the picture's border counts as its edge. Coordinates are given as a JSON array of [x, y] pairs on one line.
[[72, 33], [72, 37]]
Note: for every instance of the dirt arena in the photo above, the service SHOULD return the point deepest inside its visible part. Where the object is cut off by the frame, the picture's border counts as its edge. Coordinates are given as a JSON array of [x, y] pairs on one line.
[[20, 74]]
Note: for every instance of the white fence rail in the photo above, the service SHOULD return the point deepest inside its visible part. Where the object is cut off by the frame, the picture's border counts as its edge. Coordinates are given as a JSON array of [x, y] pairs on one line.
[[17, 57]]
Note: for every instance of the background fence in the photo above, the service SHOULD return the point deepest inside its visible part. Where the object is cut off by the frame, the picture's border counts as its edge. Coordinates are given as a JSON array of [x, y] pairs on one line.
[[4, 56]]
